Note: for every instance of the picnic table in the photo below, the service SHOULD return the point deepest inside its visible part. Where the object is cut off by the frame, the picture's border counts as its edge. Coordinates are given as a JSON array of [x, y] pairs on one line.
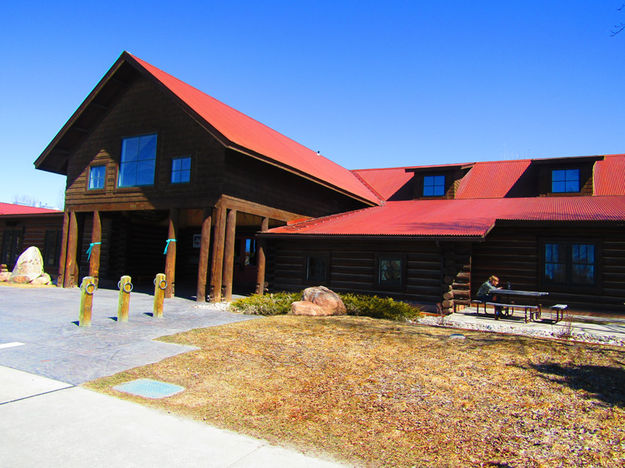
[[508, 299]]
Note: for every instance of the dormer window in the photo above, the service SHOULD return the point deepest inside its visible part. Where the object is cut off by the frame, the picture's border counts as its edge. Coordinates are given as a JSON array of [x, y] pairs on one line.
[[565, 180], [434, 186]]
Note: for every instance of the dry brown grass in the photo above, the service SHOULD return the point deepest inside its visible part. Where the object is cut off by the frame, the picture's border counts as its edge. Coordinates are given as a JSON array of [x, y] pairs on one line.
[[375, 393]]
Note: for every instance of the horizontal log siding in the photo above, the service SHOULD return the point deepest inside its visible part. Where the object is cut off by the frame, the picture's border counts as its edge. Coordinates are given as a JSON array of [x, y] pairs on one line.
[[353, 266], [145, 109], [251, 179], [512, 253], [34, 234]]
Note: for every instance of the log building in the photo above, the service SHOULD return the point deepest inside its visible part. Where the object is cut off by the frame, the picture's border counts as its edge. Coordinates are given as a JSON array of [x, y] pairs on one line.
[[162, 177]]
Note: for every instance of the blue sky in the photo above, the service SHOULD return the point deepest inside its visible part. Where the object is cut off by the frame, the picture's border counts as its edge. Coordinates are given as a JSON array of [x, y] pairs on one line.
[[368, 84]]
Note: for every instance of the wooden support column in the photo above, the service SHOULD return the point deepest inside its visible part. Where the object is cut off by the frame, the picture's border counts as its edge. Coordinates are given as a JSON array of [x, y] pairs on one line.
[[69, 279], [231, 227], [260, 259], [203, 260], [218, 253], [170, 261], [60, 282], [96, 242]]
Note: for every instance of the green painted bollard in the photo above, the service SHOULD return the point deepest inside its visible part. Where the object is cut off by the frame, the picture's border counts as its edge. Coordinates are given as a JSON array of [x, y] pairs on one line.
[[160, 284], [125, 287], [87, 288]]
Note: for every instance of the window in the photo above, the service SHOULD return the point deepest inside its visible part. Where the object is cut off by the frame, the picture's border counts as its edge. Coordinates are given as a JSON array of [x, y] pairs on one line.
[[570, 263], [249, 252], [390, 271], [317, 268], [11, 246], [565, 180], [138, 161], [97, 176], [433, 186], [51, 248], [180, 170]]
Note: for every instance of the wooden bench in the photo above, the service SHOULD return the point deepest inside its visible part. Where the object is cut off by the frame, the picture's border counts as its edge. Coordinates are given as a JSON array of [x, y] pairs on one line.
[[559, 310], [531, 311]]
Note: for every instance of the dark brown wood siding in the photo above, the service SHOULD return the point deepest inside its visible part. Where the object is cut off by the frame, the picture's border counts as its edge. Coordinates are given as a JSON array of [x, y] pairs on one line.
[[145, 109], [514, 254], [251, 179], [34, 231], [353, 267]]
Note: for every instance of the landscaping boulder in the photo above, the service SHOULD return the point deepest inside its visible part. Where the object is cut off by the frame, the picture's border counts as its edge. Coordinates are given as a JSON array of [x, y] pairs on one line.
[[29, 266], [307, 308], [5, 274], [42, 280], [325, 298]]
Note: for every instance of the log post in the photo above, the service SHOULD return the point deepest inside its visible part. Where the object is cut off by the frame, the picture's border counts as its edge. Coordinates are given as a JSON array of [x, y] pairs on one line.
[[125, 288], [203, 260], [63, 256], [94, 247], [231, 226], [260, 259], [160, 285], [218, 254], [170, 251], [69, 279], [87, 288]]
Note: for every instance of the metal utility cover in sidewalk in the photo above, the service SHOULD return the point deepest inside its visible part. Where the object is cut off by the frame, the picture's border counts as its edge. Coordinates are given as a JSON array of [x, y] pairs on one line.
[[149, 388]]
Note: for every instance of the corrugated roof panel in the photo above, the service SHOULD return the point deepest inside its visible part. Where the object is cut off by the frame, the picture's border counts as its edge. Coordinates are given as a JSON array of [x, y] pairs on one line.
[[248, 133], [12, 209], [466, 218], [386, 182], [609, 175], [492, 179]]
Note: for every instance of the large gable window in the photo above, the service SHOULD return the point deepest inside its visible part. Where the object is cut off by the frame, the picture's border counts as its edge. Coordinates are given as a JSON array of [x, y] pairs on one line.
[[570, 263], [565, 180], [138, 161], [434, 186]]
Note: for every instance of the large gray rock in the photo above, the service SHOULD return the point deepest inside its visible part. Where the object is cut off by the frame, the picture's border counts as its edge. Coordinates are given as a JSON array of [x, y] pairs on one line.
[[325, 298], [29, 266]]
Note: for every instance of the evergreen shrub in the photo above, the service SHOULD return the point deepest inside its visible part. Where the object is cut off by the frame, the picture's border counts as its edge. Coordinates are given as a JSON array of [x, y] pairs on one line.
[[356, 304]]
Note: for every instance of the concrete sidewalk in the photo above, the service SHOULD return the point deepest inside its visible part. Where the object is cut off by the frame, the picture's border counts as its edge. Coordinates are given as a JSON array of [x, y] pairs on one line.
[[45, 422]]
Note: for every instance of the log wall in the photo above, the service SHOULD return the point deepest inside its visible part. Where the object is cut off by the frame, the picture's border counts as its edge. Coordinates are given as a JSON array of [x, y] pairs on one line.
[[33, 233], [513, 254], [353, 267]]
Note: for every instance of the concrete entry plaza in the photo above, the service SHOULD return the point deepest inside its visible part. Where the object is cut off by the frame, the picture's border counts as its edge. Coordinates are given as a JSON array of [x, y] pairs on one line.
[[45, 321]]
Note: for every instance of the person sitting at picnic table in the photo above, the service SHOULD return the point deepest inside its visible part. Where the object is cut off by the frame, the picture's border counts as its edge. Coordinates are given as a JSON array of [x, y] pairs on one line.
[[485, 293]]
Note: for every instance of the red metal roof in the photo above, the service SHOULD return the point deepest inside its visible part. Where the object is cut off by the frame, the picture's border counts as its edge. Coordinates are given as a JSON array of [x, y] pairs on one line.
[[245, 132], [492, 179], [385, 182], [463, 218], [12, 209], [609, 175]]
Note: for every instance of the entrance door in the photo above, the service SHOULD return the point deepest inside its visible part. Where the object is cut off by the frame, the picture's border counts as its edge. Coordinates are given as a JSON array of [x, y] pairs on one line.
[[244, 275]]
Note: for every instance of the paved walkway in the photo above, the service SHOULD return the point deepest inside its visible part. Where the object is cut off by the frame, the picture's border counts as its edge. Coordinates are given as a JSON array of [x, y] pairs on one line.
[[604, 330], [44, 321], [46, 420]]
